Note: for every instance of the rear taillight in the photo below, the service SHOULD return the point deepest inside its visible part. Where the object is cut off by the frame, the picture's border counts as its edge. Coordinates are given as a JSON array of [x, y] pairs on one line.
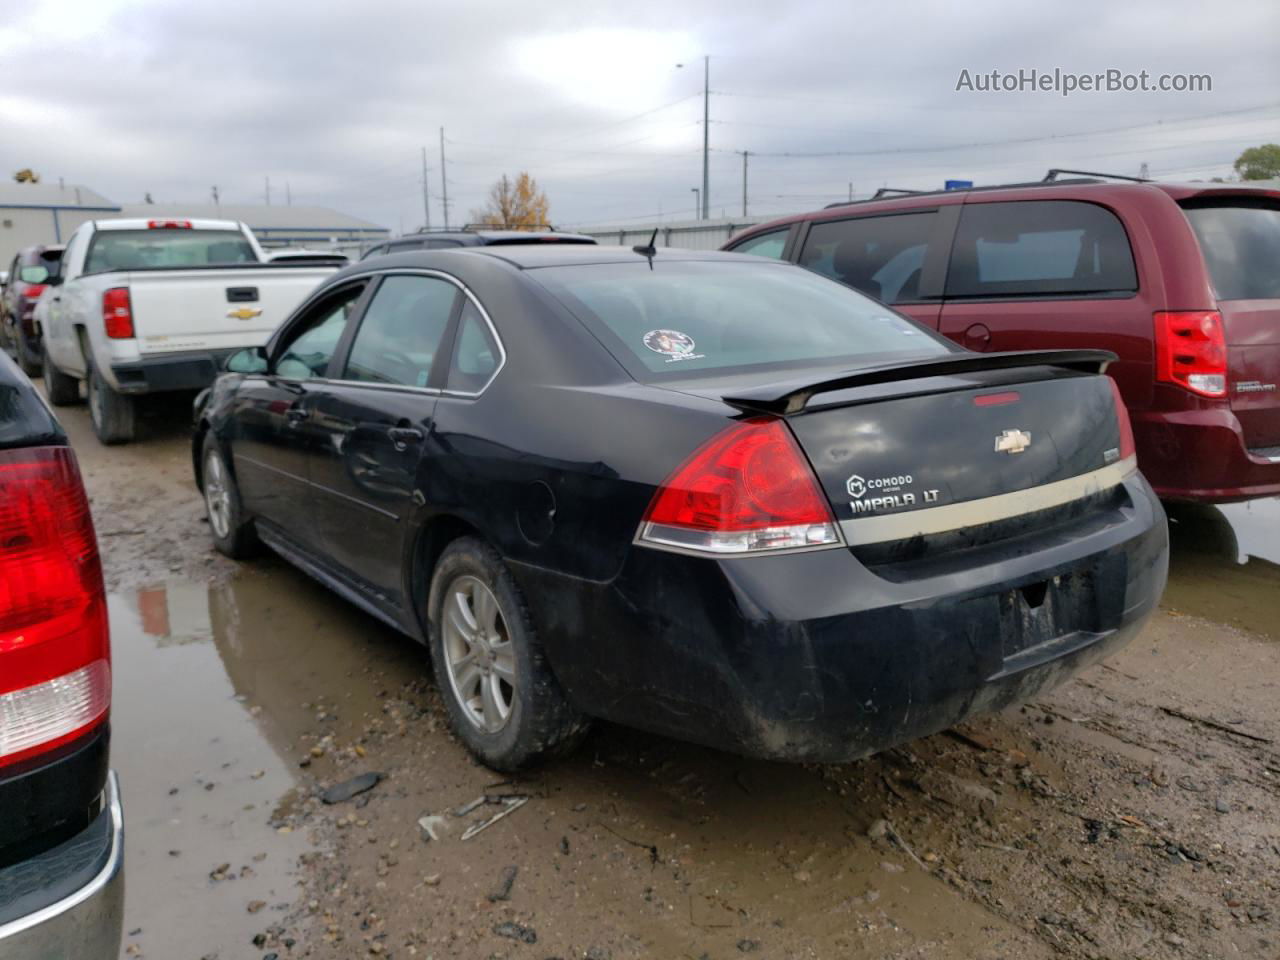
[[168, 224], [34, 290], [117, 313], [748, 490], [1191, 351], [55, 661], [1127, 446]]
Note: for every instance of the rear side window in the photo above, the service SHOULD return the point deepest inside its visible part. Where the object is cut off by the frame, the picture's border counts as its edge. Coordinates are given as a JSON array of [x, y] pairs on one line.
[[1241, 245], [679, 317], [151, 249], [765, 245], [475, 355], [401, 331], [881, 256], [1039, 248]]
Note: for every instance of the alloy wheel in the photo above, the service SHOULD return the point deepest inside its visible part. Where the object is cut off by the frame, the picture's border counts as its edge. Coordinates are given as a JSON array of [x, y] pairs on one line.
[[217, 495], [478, 653]]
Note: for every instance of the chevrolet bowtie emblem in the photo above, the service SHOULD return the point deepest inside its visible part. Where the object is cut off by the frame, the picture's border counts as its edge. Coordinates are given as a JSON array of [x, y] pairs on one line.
[[244, 313], [1013, 441]]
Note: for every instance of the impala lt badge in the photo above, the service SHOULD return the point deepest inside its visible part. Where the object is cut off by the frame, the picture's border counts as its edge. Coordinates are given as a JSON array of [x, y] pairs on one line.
[[1013, 441], [244, 313]]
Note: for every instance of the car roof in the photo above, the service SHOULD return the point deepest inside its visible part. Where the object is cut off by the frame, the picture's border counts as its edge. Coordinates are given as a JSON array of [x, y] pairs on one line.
[[553, 255], [489, 236]]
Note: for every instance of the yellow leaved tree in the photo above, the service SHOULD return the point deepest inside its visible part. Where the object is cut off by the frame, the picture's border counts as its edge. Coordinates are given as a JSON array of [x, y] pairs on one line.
[[514, 205]]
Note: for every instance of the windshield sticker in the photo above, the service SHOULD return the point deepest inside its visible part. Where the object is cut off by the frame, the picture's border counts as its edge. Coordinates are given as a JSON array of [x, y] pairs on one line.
[[672, 344]]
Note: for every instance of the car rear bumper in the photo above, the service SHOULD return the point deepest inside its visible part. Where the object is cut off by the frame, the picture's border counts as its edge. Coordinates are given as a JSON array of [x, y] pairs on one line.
[[1201, 455], [170, 371], [818, 656], [68, 901]]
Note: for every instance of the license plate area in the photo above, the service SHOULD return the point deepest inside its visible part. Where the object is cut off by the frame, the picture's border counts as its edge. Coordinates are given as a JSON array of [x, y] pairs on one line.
[[1045, 610]]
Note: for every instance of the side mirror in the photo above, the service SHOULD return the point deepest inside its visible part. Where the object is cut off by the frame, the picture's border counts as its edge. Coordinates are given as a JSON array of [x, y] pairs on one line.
[[53, 280], [249, 360]]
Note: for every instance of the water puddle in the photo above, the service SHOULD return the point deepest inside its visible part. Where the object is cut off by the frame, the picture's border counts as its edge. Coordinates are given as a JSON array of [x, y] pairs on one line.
[[217, 691], [1224, 564]]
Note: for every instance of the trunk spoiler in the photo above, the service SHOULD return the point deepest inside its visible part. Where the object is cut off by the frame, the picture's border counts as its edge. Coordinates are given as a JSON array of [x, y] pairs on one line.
[[791, 396]]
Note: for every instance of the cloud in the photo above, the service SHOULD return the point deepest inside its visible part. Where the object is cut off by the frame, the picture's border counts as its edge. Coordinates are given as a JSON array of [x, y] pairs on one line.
[[338, 99]]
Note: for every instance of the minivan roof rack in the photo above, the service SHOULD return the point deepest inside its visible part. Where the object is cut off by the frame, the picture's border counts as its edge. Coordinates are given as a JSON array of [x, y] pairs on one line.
[[1052, 175], [476, 227]]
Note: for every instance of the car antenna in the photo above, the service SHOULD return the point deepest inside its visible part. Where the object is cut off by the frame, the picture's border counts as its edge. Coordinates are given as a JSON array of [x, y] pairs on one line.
[[649, 249]]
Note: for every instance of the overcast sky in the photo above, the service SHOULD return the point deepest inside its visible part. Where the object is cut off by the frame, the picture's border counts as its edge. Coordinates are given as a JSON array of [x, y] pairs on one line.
[[336, 100]]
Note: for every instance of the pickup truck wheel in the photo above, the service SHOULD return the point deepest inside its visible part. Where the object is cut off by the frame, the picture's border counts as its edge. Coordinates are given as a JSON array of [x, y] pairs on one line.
[[62, 389], [503, 701], [113, 414], [233, 534]]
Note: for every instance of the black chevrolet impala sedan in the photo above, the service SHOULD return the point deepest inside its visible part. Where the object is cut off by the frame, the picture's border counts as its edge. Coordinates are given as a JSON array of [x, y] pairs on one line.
[[707, 495]]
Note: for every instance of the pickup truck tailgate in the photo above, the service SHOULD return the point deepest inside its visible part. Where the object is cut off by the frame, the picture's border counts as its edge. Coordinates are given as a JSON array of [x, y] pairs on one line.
[[218, 309]]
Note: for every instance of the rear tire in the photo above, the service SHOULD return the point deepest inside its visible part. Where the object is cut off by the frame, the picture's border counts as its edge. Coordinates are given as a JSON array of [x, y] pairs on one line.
[[503, 701], [28, 359], [233, 533], [113, 415], [62, 389]]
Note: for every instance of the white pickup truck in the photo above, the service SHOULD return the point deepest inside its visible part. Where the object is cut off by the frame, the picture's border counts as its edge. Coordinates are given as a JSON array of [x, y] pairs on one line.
[[148, 306]]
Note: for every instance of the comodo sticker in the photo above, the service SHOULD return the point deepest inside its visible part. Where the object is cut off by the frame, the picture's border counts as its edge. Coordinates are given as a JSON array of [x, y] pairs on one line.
[[881, 493]]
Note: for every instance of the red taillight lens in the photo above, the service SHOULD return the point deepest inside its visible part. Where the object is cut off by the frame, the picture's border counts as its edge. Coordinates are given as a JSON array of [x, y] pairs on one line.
[[1191, 351], [1127, 447], [33, 292], [117, 313], [168, 224], [55, 672], [748, 489]]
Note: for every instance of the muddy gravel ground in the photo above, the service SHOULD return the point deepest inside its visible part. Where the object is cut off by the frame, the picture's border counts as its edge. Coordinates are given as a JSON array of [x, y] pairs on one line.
[[1133, 813]]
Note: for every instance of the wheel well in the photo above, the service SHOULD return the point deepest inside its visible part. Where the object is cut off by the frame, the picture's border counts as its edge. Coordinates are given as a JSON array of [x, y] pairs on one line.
[[435, 535], [197, 460]]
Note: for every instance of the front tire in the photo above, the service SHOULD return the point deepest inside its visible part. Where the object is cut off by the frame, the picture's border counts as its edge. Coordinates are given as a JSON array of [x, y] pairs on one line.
[[503, 701], [233, 533], [114, 416], [62, 389]]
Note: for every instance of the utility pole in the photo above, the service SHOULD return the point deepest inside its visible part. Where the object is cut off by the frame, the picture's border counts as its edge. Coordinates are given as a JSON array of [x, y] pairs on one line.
[[216, 205], [744, 182], [444, 182], [426, 196], [268, 191], [288, 195], [697, 203], [706, 135], [851, 191]]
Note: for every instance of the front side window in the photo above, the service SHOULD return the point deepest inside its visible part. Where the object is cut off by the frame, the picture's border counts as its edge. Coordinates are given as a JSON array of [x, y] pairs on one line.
[[402, 331], [881, 256], [765, 245], [315, 340], [166, 247], [1039, 248], [1241, 246], [475, 355], [685, 316]]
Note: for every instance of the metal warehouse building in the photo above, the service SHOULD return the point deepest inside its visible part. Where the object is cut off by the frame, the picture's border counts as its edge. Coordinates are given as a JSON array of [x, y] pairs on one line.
[[32, 213]]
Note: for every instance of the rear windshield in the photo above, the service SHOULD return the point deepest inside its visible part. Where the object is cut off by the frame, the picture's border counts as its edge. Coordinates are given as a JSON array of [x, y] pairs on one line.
[[685, 316], [149, 249], [1241, 245]]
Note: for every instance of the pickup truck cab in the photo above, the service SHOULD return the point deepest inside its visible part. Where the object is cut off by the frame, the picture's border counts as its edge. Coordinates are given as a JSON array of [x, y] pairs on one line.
[[153, 306]]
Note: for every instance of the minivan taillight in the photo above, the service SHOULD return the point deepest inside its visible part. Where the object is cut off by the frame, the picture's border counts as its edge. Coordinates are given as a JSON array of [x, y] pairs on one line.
[[1127, 447], [117, 313], [748, 489], [34, 291], [1191, 351], [55, 659]]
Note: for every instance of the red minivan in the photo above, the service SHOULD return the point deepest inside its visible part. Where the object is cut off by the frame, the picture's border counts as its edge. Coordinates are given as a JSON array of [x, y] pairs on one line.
[[1181, 281]]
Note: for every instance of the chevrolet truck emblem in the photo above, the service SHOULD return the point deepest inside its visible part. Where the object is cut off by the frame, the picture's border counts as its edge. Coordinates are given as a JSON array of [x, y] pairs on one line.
[[244, 313], [1013, 441]]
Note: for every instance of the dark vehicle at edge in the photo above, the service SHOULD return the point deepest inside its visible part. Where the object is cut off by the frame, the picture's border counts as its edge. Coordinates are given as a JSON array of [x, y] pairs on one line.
[[61, 831], [474, 235], [28, 275], [704, 495]]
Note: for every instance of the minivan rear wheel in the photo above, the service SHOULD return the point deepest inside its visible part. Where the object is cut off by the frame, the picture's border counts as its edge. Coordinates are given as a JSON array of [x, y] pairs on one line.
[[502, 699]]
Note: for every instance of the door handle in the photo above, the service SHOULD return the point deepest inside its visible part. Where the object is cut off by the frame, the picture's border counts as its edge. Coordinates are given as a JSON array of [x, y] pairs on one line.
[[296, 414], [403, 436]]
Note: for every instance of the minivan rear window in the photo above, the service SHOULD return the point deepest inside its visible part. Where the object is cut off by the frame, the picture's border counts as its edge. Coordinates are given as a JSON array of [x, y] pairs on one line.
[[684, 316], [1039, 248], [1241, 245]]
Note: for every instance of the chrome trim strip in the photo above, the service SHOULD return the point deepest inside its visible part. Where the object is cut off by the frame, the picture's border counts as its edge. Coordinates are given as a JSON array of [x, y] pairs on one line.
[[94, 886], [866, 530]]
